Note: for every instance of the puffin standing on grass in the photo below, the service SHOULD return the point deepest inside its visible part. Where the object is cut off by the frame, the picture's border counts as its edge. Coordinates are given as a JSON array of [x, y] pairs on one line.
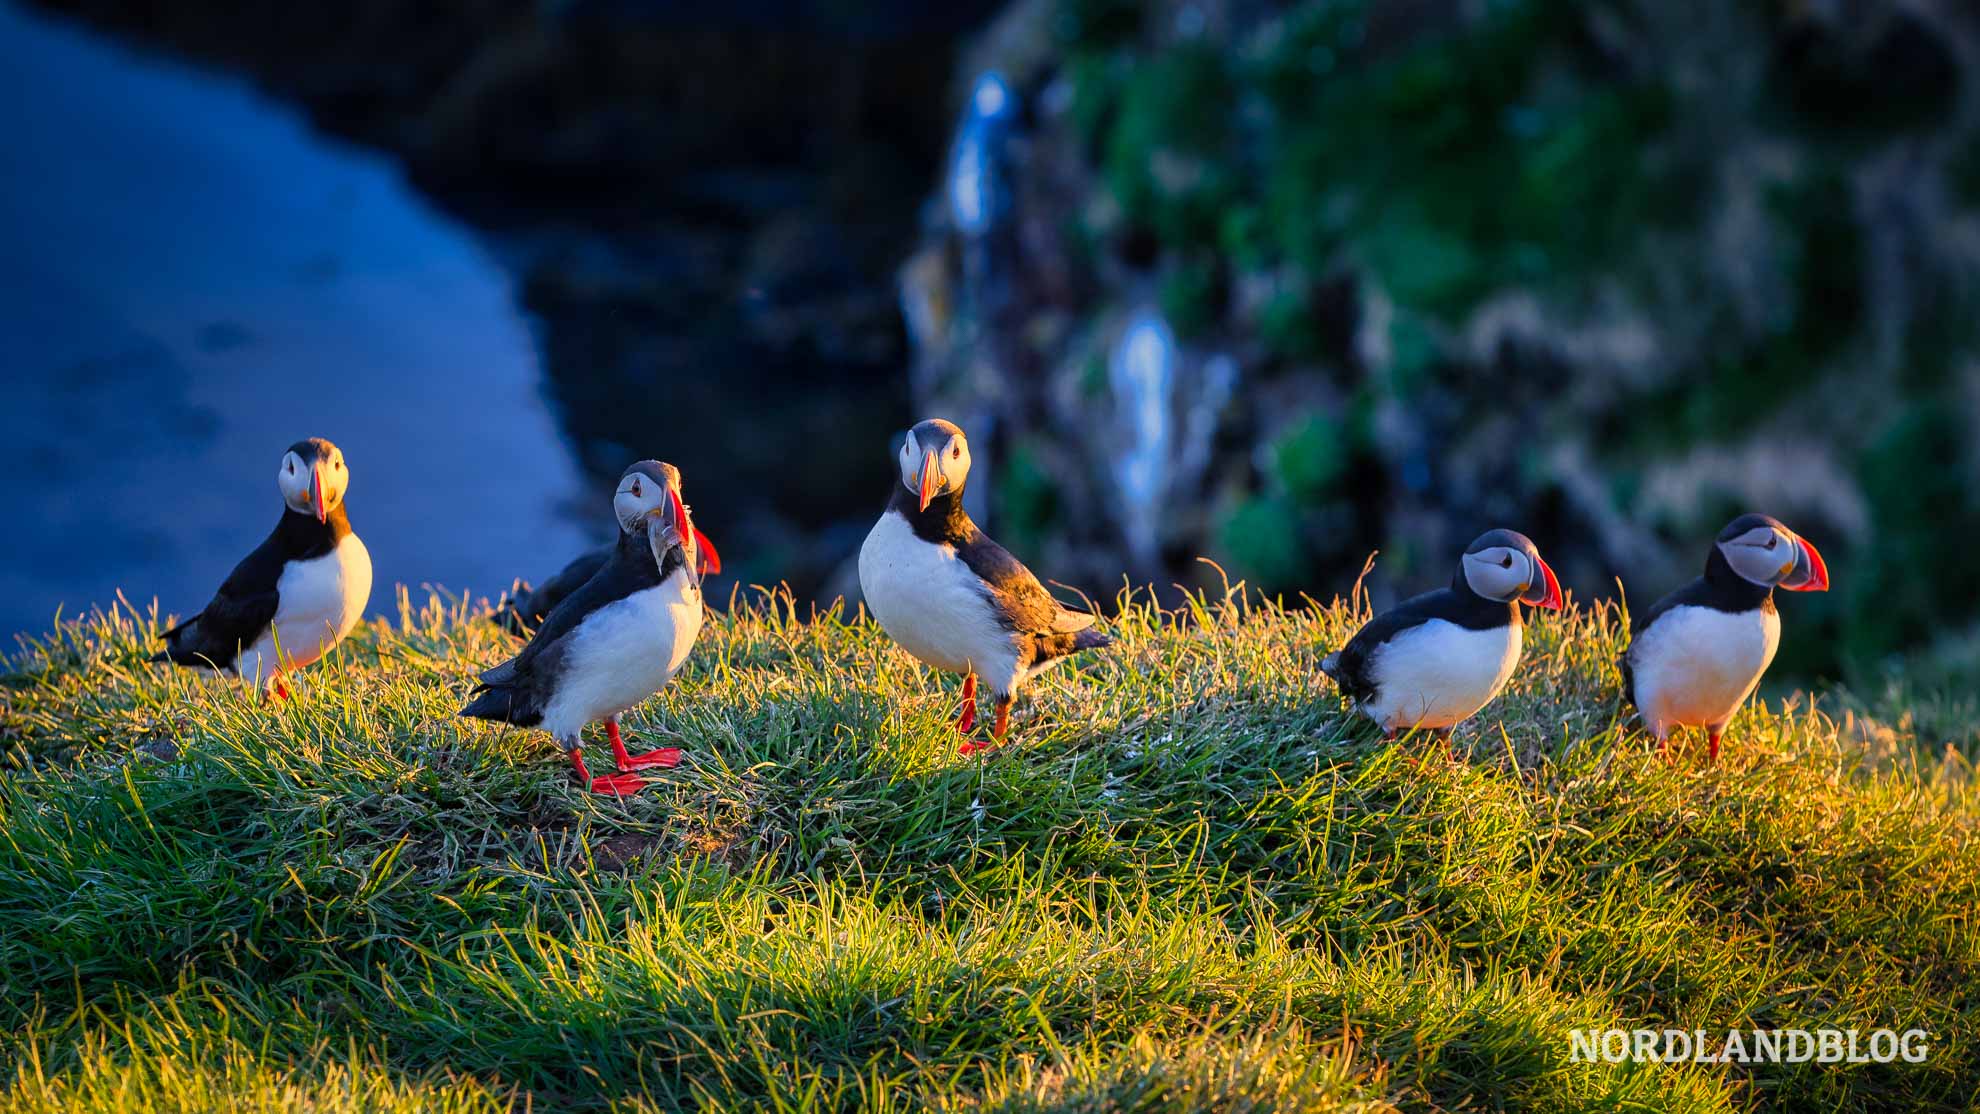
[[1696, 656], [297, 595], [953, 598], [1434, 660], [613, 642]]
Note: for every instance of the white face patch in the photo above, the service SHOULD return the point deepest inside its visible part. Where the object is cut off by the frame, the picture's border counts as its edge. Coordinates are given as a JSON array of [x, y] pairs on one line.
[[296, 477], [910, 463], [1762, 555], [294, 480], [639, 495], [951, 463], [1498, 573]]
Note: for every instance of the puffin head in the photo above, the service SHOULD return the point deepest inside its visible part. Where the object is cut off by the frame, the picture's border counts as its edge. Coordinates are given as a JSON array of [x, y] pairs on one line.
[[1762, 551], [1505, 565], [313, 478], [649, 498], [934, 459]]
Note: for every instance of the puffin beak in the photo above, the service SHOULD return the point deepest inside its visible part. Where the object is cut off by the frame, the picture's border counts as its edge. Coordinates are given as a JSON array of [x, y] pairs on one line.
[[1810, 573], [929, 476], [316, 492], [711, 561], [1550, 597], [679, 513]]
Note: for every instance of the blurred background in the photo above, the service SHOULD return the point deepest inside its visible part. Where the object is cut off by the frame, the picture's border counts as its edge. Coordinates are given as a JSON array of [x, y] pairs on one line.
[[1276, 283]]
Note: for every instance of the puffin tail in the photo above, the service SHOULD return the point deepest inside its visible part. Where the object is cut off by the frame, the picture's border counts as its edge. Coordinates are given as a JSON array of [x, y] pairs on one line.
[[1330, 665], [498, 703], [182, 645]]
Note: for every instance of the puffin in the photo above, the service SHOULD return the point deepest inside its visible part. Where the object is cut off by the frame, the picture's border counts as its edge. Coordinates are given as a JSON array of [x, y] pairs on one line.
[[616, 640], [297, 594], [953, 598], [524, 607], [1432, 661], [1699, 653]]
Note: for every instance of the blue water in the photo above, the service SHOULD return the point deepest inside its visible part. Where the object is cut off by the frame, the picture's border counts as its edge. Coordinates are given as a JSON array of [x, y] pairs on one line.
[[190, 280]]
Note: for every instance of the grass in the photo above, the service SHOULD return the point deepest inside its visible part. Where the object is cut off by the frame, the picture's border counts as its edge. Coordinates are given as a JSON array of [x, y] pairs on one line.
[[1196, 884]]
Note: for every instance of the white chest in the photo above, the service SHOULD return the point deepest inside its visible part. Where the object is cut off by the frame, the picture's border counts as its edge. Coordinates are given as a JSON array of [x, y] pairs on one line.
[[1695, 666], [1439, 674], [319, 601], [932, 604], [623, 653]]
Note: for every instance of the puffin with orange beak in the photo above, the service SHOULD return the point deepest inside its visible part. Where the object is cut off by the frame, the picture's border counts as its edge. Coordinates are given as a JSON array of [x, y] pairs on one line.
[[297, 594], [616, 640], [1432, 661], [952, 597], [1699, 653]]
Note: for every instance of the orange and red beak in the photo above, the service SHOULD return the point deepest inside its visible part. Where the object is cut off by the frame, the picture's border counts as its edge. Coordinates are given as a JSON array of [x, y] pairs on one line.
[[679, 512], [1810, 573], [707, 560], [316, 492], [1550, 595], [930, 478]]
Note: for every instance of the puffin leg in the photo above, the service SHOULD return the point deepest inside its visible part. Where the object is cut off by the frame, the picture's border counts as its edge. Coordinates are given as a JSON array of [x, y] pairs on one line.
[[1712, 732], [611, 785], [666, 757], [966, 719], [1444, 734], [997, 731], [274, 690]]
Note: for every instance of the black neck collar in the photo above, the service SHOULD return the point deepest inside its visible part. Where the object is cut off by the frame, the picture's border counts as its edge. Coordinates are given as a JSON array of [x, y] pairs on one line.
[[1475, 611], [302, 537], [944, 522], [1729, 591]]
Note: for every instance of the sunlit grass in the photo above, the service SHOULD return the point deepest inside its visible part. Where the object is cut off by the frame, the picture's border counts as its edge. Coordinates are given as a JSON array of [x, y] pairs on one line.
[[1194, 882]]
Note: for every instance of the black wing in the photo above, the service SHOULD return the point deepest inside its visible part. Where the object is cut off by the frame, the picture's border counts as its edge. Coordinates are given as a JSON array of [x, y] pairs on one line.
[[1048, 628], [1021, 601], [238, 614], [527, 609]]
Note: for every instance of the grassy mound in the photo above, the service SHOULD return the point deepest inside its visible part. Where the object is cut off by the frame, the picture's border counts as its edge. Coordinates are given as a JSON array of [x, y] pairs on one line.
[[1195, 883]]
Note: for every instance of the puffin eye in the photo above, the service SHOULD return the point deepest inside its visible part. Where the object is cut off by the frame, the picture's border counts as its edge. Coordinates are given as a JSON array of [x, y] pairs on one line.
[[1505, 562], [292, 468], [956, 452], [1772, 540]]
